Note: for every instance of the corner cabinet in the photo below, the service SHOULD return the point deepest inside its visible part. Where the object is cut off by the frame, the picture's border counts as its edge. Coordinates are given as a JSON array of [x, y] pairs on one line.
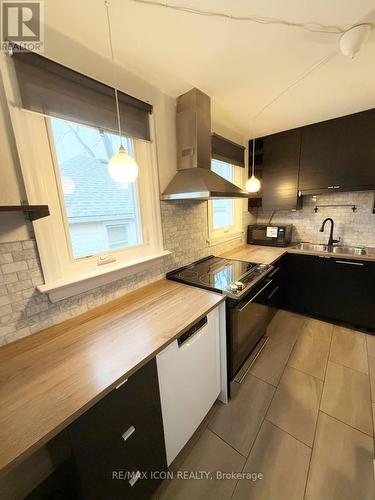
[[338, 154], [118, 444], [280, 158]]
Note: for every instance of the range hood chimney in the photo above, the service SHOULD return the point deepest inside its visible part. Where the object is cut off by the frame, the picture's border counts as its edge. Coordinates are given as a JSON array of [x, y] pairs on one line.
[[194, 179]]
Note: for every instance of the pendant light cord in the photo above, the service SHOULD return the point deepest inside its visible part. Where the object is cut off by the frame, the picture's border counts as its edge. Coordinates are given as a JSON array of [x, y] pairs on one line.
[[253, 159], [106, 2]]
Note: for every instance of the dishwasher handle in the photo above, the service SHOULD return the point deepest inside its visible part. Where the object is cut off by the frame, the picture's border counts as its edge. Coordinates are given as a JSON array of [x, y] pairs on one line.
[[192, 331], [241, 308]]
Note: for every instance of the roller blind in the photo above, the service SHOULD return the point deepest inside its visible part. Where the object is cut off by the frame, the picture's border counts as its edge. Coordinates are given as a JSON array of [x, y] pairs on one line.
[[51, 89], [228, 151]]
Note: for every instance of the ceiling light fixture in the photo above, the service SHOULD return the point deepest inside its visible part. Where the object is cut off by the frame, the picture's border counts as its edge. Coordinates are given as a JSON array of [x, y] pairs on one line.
[[253, 184], [122, 167], [353, 39]]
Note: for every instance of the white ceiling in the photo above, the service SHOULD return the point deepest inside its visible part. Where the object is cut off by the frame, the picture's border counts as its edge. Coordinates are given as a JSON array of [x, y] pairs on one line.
[[241, 65]]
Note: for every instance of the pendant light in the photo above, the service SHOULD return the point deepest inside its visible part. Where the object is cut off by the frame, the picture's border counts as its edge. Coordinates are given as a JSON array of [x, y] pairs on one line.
[[253, 184], [122, 167]]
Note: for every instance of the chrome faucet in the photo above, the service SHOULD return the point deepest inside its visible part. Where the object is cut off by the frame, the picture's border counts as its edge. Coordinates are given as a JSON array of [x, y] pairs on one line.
[[331, 241]]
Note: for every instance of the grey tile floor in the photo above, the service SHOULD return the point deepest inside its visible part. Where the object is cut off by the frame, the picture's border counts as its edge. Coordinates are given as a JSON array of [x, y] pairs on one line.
[[302, 419]]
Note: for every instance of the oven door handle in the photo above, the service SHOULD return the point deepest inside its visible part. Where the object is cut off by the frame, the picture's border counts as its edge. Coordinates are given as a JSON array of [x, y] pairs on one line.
[[239, 309]]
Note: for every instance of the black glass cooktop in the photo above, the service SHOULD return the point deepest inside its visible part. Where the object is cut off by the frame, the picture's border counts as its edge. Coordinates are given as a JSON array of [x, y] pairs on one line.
[[212, 272]]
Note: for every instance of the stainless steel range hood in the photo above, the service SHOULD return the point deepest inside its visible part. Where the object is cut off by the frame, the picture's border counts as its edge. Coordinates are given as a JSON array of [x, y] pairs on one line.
[[194, 179]]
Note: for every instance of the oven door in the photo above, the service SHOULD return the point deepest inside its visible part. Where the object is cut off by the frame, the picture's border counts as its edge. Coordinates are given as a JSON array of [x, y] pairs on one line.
[[248, 321]]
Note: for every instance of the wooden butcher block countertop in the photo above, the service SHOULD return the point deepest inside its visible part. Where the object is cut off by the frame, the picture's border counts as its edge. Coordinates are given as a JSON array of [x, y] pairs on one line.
[[50, 378]]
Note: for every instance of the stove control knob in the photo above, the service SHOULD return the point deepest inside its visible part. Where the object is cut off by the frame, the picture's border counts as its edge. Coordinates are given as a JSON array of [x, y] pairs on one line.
[[239, 285], [233, 287]]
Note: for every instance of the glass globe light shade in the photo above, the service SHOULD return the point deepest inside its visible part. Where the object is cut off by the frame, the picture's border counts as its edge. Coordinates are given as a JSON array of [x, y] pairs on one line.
[[253, 184], [122, 167]]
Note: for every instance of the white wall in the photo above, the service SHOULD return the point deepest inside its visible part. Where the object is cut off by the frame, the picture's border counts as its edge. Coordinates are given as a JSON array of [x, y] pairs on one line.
[[12, 226]]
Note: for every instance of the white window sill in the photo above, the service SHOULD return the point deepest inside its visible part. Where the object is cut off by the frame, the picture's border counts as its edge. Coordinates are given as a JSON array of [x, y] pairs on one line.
[[74, 285], [225, 238]]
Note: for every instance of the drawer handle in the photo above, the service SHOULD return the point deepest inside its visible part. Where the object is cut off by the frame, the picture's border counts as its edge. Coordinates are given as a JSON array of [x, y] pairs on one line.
[[349, 263], [121, 383], [273, 292], [274, 272], [134, 478], [336, 187], [331, 187], [128, 433]]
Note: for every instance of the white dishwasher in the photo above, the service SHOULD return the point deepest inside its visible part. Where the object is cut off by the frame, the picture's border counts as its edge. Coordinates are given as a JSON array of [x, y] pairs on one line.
[[189, 381]]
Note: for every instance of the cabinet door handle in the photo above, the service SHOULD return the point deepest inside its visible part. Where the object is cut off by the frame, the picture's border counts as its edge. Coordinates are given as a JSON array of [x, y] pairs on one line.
[[134, 478], [128, 433], [349, 263], [121, 383]]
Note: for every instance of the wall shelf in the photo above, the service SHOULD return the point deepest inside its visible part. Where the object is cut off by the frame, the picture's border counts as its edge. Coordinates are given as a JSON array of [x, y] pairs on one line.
[[33, 212]]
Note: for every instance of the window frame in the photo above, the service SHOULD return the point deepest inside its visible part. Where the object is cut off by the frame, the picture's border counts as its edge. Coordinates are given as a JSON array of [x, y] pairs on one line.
[[63, 207], [63, 275], [234, 230], [111, 225]]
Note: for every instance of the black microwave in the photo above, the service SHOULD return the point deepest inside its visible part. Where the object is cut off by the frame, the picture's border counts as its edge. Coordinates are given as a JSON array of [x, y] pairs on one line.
[[272, 235]]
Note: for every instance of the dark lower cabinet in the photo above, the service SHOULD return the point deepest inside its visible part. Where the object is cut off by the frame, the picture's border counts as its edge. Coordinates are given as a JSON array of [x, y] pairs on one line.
[[118, 445], [335, 289], [354, 283]]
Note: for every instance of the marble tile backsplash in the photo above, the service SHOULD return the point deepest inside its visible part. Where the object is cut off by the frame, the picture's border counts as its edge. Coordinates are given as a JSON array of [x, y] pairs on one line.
[[354, 228], [24, 310]]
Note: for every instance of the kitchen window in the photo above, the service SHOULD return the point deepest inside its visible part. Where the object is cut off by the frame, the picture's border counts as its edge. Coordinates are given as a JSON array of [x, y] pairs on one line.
[[225, 215], [98, 230], [90, 198]]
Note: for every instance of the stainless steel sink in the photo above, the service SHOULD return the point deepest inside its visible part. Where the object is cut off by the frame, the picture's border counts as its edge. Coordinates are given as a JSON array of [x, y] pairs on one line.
[[349, 250], [311, 247]]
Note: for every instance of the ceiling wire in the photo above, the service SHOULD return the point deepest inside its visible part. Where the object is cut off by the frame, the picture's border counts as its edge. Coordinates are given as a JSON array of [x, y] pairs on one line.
[[297, 80], [310, 26]]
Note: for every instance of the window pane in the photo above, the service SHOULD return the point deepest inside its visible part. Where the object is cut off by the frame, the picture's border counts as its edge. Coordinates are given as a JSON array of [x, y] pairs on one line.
[[117, 236], [223, 210], [97, 207]]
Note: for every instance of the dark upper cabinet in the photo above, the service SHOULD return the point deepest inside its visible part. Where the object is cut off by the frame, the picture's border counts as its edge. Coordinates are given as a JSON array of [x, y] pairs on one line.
[[338, 154], [281, 158], [318, 157], [357, 140], [277, 166]]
